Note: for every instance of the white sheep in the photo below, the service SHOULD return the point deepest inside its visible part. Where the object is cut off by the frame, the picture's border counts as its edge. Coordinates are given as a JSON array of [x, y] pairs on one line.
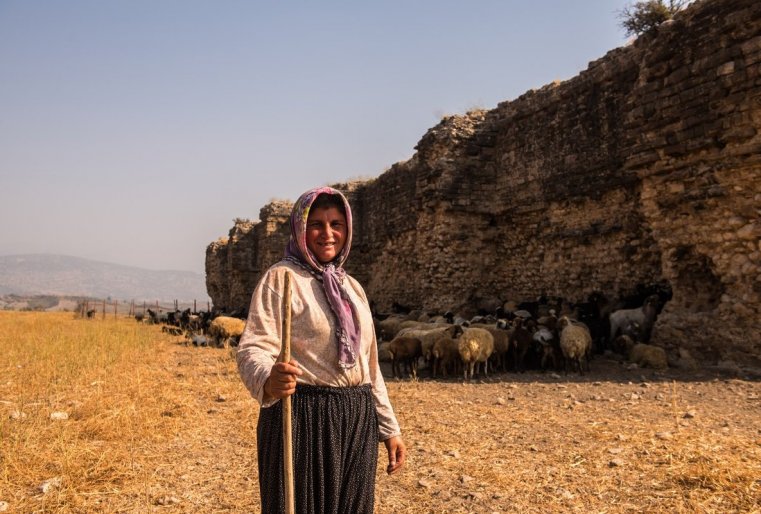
[[575, 343], [644, 316], [475, 346], [501, 344]]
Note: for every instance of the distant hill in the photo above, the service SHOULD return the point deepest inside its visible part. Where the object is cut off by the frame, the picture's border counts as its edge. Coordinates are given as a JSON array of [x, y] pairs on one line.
[[61, 275]]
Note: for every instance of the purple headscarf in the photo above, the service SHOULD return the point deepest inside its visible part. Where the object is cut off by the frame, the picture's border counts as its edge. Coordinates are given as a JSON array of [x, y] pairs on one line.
[[331, 275]]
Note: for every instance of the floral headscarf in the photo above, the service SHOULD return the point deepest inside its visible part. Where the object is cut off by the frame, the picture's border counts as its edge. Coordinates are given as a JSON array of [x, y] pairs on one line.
[[331, 275]]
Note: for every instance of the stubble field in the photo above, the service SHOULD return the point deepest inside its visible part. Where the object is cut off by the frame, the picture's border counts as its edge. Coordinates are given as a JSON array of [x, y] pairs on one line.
[[152, 425]]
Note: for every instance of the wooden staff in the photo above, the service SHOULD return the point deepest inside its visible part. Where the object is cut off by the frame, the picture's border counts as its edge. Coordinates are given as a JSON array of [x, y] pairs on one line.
[[285, 356]]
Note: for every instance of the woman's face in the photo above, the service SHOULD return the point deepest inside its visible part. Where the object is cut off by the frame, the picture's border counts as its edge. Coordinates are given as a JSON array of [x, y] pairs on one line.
[[326, 233]]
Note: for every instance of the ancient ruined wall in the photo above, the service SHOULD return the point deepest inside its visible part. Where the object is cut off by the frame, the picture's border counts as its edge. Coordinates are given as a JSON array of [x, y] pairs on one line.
[[234, 264], [694, 119], [641, 169]]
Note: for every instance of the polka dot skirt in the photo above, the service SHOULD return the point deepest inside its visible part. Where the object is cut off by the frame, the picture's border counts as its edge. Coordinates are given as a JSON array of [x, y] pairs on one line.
[[335, 451]]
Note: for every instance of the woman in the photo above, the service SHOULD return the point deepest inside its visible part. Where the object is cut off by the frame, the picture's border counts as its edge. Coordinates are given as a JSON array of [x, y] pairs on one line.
[[340, 405]]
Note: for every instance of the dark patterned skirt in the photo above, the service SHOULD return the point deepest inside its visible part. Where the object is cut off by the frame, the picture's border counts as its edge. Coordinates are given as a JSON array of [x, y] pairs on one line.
[[335, 451]]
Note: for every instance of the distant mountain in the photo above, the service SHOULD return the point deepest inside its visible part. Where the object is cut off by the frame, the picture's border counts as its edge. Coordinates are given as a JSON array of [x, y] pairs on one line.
[[72, 276]]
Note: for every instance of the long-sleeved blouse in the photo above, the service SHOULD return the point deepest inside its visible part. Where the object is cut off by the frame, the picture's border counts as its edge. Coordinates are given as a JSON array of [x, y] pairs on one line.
[[313, 340]]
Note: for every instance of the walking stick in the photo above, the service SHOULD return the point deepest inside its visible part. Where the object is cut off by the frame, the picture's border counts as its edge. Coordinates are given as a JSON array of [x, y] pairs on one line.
[[285, 356]]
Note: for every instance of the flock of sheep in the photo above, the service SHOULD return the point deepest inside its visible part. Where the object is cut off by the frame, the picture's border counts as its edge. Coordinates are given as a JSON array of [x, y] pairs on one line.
[[517, 339], [200, 328]]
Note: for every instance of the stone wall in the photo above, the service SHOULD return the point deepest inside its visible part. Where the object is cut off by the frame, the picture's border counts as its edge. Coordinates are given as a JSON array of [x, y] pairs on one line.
[[235, 263], [644, 168]]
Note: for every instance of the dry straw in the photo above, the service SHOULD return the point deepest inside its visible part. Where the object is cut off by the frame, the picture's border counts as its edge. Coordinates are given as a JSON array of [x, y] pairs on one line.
[[157, 426]]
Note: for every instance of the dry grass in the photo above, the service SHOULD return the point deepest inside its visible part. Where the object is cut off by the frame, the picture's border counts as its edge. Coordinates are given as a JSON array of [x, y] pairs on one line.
[[156, 426]]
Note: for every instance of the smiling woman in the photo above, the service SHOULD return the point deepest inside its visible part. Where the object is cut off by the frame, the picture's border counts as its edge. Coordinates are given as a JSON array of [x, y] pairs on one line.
[[340, 405], [326, 228]]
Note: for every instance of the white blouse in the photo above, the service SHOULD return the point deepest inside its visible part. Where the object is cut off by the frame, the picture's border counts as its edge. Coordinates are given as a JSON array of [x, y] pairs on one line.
[[313, 340]]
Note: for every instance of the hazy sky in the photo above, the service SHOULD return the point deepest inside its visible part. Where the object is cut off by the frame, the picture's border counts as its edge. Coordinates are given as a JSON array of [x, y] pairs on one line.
[[135, 131]]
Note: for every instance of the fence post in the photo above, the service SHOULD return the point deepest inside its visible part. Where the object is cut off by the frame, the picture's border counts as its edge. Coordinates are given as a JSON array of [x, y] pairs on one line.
[[116, 303], [104, 309]]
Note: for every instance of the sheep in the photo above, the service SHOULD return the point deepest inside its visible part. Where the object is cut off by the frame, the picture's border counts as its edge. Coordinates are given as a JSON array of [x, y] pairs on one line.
[[501, 345], [644, 315], [414, 324], [521, 341], [445, 354], [196, 339], [475, 345], [522, 313], [157, 317], [548, 345], [424, 317], [383, 353], [405, 349], [479, 319], [415, 314], [173, 331], [633, 330], [389, 327], [223, 328], [550, 321], [427, 333], [190, 321], [575, 343], [622, 344], [644, 355]]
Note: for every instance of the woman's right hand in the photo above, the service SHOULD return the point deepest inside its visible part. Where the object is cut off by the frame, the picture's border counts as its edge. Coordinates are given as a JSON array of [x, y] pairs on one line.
[[282, 379]]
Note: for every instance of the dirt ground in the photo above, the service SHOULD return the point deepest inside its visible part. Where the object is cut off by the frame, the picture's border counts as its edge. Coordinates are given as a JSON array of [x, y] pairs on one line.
[[614, 440]]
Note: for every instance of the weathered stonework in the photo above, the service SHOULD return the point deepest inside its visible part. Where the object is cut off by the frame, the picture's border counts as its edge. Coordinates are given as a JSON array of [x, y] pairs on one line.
[[234, 264], [646, 167]]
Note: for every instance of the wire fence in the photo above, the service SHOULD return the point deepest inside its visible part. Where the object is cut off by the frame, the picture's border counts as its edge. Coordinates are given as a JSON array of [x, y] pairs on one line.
[[101, 309]]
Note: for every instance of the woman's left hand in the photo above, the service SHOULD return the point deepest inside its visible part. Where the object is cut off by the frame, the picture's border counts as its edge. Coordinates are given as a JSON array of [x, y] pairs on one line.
[[396, 453]]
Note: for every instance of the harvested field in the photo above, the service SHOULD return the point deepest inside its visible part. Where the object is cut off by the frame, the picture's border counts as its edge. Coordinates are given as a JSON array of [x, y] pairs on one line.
[[157, 426]]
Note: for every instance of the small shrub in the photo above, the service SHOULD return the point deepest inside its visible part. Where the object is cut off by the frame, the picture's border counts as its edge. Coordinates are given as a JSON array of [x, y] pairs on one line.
[[645, 15]]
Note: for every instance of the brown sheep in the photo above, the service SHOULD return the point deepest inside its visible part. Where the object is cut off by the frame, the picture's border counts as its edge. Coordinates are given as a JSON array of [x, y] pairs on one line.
[[520, 342], [643, 355], [383, 355], [428, 333], [445, 354], [404, 349]]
